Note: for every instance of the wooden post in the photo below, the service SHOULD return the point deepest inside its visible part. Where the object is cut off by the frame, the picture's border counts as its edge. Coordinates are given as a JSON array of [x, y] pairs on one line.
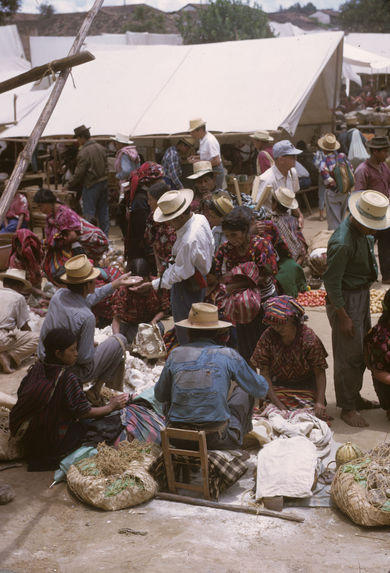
[[237, 190], [26, 154]]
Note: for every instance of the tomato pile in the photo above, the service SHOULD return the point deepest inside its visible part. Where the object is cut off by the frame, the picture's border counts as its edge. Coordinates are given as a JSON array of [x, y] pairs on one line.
[[312, 298]]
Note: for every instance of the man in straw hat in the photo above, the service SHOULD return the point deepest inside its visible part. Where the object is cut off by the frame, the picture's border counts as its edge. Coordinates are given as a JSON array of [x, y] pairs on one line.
[[336, 198], [71, 308], [172, 160], [209, 149], [90, 176], [215, 209], [375, 174], [195, 384], [126, 157], [262, 140], [203, 179], [351, 270], [17, 342], [192, 255]]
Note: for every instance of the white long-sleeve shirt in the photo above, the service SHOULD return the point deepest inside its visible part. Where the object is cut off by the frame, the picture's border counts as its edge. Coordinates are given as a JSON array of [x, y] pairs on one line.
[[193, 250], [275, 179]]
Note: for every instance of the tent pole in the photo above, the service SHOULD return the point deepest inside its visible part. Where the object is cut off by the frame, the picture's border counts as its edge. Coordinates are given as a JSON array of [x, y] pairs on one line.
[[337, 84], [26, 154]]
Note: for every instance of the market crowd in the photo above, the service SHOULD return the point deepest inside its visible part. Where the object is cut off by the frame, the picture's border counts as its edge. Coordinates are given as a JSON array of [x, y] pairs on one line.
[[227, 266]]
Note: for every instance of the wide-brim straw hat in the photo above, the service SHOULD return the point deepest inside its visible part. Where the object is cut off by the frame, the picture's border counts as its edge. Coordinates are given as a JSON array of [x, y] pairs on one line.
[[201, 168], [262, 136], [328, 142], [286, 197], [222, 203], [172, 204], [121, 138], [16, 275], [196, 123], [370, 208], [203, 316], [79, 270], [378, 143]]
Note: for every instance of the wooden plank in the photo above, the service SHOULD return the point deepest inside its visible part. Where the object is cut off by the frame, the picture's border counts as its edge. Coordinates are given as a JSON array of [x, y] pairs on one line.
[[25, 155], [39, 72]]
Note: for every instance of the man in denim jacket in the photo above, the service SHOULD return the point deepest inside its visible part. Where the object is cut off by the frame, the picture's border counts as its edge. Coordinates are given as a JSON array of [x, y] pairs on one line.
[[207, 386]]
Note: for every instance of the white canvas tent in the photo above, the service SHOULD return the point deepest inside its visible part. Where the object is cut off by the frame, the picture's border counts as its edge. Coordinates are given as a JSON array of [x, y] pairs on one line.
[[376, 43], [365, 61], [235, 86]]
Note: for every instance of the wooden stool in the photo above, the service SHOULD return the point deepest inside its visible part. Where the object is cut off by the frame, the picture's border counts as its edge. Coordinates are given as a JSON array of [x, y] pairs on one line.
[[201, 454]]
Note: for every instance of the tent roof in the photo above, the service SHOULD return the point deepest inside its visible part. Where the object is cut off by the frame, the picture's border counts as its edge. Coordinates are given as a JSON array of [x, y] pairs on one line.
[[377, 43], [364, 61], [235, 86]]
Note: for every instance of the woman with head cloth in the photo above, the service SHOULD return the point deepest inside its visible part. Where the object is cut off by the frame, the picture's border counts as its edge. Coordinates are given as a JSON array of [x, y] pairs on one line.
[[291, 357]]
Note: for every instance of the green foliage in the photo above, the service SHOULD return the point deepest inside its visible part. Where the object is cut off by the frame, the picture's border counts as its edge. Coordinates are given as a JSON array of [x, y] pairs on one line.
[[307, 9], [46, 10], [8, 8], [145, 19], [222, 21], [365, 16]]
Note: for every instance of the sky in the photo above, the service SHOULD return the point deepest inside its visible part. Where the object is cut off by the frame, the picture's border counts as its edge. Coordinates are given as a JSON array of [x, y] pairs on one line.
[[166, 5]]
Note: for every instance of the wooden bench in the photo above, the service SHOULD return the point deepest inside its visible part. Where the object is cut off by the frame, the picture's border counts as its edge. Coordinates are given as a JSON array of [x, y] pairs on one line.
[[303, 193]]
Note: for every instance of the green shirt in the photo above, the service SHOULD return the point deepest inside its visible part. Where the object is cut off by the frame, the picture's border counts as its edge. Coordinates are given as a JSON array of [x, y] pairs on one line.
[[351, 262]]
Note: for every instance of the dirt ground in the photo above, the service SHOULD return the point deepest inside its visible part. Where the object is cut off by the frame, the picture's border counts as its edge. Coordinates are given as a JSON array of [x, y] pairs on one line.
[[47, 530]]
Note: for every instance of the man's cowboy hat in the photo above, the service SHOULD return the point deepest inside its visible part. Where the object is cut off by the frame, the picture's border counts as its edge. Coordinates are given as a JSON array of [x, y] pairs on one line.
[[172, 204], [378, 143], [370, 208], [121, 138], [16, 275], [203, 316], [222, 203], [78, 270], [201, 168], [185, 142], [81, 130], [328, 142], [196, 123], [262, 136], [286, 197]]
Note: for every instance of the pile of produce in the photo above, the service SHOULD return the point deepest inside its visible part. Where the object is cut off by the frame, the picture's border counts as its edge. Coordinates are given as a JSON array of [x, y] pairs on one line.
[[312, 298], [376, 299]]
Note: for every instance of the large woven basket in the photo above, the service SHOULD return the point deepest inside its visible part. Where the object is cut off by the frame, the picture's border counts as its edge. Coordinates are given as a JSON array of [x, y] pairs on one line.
[[350, 498], [132, 487]]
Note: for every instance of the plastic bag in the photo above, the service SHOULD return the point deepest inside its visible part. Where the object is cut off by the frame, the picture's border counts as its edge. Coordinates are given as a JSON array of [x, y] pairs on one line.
[[149, 342], [357, 152]]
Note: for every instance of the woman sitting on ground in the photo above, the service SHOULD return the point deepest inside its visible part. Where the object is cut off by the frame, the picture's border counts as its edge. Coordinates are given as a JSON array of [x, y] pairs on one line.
[[377, 355], [67, 234], [292, 358], [51, 406]]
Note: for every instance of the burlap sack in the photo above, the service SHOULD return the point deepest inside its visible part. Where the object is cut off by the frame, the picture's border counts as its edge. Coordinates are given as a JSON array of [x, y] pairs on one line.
[[350, 497], [132, 487], [10, 449], [320, 240]]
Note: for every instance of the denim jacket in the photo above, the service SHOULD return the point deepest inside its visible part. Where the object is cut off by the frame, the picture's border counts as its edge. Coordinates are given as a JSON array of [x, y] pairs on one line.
[[196, 378]]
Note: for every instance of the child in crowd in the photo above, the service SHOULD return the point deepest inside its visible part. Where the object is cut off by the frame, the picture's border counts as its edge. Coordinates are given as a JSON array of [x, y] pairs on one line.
[[132, 308]]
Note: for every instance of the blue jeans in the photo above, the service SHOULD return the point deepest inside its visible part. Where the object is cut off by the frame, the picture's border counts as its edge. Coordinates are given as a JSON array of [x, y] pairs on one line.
[[95, 205]]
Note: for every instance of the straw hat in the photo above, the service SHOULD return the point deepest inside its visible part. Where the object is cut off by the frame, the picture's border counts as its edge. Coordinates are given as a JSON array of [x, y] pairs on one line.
[[16, 275], [262, 136], [78, 270], [328, 142], [203, 316], [201, 168], [121, 138], [378, 143], [172, 204], [196, 123], [222, 203], [370, 208], [286, 197]]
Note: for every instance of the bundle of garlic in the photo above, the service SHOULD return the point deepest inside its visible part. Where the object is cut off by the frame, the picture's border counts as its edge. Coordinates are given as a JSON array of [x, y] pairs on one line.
[[376, 299]]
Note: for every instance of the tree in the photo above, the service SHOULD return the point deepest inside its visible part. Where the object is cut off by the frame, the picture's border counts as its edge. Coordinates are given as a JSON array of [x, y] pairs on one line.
[[222, 21], [365, 16], [46, 10], [8, 8], [145, 19]]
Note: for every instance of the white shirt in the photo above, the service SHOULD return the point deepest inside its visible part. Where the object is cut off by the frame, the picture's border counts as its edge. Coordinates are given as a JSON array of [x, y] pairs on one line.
[[13, 309], [209, 147], [275, 179], [193, 250]]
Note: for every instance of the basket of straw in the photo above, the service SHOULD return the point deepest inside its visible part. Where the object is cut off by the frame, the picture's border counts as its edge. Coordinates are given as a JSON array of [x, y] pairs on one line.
[[361, 488]]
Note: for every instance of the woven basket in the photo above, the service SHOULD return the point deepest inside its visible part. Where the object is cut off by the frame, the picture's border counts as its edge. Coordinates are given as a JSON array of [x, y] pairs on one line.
[[132, 487], [350, 498]]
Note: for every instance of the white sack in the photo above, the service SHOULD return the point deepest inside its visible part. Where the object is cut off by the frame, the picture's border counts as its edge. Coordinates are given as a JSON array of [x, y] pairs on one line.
[[286, 467]]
